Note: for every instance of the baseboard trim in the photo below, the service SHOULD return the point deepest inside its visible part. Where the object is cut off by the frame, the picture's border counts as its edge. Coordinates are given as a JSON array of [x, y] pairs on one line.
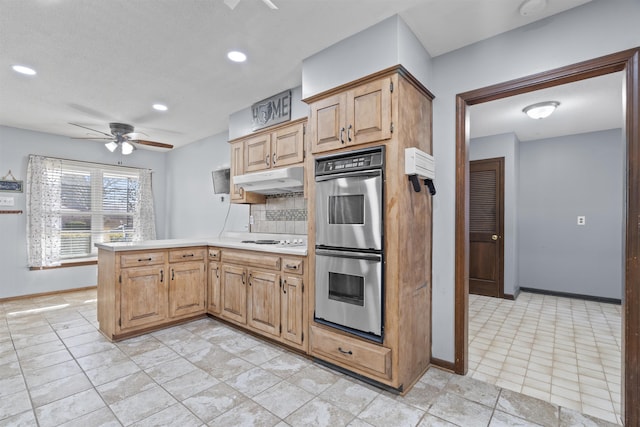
[[443, 364], [44, 294], [570, 295], [512, 297]]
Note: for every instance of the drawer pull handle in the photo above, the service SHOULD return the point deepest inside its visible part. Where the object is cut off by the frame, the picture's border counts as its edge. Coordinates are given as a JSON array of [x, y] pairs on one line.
[[161, 276], [344, 352], [292, 267], [144, 259], [173, 275], [187, 255]]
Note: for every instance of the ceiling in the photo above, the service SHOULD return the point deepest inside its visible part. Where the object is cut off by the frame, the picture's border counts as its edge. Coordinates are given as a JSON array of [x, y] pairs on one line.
[[108, 61]]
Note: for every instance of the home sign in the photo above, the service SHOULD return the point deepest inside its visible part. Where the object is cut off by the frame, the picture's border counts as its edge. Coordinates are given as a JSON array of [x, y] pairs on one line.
[[273, 110]]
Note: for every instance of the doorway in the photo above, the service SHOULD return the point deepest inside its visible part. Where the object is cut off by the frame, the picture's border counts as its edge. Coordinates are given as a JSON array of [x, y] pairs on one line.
[[628, 62]]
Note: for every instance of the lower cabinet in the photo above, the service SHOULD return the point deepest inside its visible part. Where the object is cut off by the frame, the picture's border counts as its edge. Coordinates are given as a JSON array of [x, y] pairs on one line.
[[139, 291], [263, 302], [142, 297], [234, 293], [264, 293]]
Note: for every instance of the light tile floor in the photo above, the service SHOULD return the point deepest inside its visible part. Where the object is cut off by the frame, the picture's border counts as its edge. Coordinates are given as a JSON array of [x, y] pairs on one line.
[[57, 369], [561, 350]]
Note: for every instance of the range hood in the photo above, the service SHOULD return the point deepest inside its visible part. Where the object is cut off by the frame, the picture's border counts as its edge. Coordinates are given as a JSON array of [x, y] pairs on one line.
[[273, 181]]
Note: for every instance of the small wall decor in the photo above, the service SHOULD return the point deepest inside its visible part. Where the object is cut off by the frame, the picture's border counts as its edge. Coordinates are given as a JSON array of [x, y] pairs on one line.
[[9, 183]]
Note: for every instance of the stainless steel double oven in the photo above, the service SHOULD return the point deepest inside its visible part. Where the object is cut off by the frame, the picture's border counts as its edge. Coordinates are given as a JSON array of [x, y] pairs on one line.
[[349, 242]]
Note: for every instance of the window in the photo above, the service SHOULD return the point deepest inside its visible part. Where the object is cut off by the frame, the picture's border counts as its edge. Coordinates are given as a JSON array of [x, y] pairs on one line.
[[73, 205]]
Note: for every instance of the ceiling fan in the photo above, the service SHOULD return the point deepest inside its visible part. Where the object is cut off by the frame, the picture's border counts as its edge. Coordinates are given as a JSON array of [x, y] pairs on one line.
[[122, 135], [233, 3]]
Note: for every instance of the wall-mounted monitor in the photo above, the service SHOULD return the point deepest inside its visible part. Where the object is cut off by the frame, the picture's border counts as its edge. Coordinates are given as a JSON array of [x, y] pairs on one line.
[[221, 181]]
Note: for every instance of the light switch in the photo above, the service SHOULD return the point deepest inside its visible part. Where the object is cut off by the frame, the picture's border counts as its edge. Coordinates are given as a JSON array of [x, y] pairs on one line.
[[582, 220], [7, 201]]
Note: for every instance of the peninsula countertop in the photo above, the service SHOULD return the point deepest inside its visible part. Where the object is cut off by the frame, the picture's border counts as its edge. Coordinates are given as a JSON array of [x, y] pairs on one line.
[[226, 240]]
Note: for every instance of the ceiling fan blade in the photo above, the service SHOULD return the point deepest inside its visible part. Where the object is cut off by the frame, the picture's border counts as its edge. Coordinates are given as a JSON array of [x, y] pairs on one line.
[[134, 135], [93, 130], [95, 139], [270, 4], [151, 143]]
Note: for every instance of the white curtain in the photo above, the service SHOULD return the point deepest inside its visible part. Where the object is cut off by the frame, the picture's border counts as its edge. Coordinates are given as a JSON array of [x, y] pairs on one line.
[[43, 211], [144, 221]]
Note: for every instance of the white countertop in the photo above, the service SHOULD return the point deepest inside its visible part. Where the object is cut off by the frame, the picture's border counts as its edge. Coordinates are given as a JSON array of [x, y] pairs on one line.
[[226, 240]]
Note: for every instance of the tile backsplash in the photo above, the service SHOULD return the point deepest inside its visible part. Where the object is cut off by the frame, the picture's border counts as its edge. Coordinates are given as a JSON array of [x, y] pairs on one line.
[[281, 213]]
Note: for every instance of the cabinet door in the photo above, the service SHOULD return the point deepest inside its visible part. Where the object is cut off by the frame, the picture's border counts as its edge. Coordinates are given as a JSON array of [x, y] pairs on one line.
[[292, 309], [143, 297], [369, 112], [257, 153], [264, 302], [237, 168], [287, 146], [328, 122], [186, 288], [234, 293], [213, 288]]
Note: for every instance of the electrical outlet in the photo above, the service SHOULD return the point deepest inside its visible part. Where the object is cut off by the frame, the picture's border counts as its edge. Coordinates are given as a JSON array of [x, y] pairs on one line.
[[582, 220], [7, 201]]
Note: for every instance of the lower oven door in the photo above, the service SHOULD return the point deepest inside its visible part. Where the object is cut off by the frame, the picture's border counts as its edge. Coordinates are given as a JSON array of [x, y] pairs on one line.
[[349, 291]]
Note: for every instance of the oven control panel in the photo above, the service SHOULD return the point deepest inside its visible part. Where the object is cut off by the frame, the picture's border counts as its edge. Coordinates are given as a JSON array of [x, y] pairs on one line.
[[353, 161]]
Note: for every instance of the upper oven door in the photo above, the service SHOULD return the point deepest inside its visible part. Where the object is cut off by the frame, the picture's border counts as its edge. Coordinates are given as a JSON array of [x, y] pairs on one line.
[[349, 210]]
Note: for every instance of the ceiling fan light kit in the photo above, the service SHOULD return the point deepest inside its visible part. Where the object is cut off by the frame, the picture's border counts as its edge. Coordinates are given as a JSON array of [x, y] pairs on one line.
[[111, 146], [540, 110]]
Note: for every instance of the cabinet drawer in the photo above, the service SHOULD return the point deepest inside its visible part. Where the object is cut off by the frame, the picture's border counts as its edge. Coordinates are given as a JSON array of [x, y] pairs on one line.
[[214, 254], [292, 265], [249, 259], [358, 354], [142, 258], [188, 254]]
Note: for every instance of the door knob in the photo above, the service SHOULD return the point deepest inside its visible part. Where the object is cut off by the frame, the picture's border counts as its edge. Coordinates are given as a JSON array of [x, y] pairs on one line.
[[494, 237]]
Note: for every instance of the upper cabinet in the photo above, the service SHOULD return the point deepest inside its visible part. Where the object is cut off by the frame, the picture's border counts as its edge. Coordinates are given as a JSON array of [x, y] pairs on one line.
[[278, 146], [355, 116], [281, 147]]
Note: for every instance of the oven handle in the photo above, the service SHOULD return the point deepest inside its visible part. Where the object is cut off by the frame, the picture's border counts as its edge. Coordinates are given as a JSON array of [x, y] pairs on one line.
[[350, 255], [375, 172]]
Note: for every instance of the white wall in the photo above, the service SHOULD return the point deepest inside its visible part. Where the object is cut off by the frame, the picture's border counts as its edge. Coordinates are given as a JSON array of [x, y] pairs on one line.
[[388, 43], [561, 178], [595, 29], [505, 145], [15, 147], [193, 209]]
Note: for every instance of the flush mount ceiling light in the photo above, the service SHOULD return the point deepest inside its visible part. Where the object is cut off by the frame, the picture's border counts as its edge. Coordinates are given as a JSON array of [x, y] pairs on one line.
[[236, 56], [532, 7], [160, 107], [541, 109], [24, 70]]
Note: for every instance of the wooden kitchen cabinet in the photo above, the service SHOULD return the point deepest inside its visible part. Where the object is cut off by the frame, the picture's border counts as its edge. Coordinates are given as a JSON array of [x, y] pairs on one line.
[[187, 282], [140, 291], [282, 146], [265, 293], [214, 282], [389, 108], [238, 195], [142, 297], [234, 293], [292, 309], [264, 302], [355, 116]]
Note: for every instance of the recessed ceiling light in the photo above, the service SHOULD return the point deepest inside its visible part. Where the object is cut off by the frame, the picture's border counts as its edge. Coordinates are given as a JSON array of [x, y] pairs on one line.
[[160, 107], [236, 56], [24, 70], [541, 109]]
